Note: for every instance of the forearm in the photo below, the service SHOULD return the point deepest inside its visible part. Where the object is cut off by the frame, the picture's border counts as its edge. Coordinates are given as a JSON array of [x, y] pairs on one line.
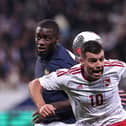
[[61, 104], [35, 90]]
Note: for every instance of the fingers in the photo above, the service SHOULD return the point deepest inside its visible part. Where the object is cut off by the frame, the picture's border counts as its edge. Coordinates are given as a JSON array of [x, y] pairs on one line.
[[47, 110], [121, 91], [122, 94], [35, 113], [123, 103], [37, 119]]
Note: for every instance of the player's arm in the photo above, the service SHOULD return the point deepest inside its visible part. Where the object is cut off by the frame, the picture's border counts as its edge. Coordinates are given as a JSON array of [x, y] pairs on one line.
[[37, 118], [35, 90]]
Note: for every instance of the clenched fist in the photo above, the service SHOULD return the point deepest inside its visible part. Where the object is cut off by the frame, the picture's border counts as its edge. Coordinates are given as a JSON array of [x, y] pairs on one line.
[[47, 110]]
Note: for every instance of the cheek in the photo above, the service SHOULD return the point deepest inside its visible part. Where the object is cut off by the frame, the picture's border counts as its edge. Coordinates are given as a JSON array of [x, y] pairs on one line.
[[87, 69], [90, 66], [90, 69], [51, 46], [48, 44]]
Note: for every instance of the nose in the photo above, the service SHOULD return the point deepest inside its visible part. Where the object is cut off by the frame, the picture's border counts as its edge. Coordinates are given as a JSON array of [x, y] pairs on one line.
[[41, 41], [99, 64]]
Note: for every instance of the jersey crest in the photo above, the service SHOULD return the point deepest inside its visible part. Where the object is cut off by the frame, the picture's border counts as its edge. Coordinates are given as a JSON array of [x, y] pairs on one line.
[[106, 81]]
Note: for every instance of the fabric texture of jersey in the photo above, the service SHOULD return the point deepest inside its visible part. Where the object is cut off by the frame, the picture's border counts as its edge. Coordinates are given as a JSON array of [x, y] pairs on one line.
[[61, 58], [94, 103]]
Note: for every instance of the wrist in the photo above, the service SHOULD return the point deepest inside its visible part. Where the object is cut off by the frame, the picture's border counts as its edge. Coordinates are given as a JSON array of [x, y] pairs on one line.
[[40, 105], [40, 109]]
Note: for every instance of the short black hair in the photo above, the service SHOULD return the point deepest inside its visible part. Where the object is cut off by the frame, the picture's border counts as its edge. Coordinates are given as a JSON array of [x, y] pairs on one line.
[[91, 46], [49, 23]]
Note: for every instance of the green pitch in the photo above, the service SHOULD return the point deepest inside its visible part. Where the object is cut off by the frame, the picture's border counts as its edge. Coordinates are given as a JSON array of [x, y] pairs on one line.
[[16, 118]]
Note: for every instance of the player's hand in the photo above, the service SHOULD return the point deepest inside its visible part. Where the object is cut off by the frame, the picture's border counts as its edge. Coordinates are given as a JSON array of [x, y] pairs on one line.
[[122, 94], [47, 110], [37, 118]]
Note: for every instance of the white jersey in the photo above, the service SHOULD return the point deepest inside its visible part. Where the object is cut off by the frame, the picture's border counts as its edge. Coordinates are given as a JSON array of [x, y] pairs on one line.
[[94, 103]]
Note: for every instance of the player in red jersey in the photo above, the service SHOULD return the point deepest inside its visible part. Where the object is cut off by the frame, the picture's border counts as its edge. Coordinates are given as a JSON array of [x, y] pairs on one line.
[[92, 87], [88, 35]]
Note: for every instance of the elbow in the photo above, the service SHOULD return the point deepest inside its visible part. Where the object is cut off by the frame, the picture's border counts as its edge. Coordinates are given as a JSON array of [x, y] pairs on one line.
[[34, 85], [31, 85]]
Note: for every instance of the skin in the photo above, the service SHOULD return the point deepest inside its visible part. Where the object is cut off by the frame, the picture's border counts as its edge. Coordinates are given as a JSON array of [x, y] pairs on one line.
[[44, 110], [93, 65], [45, 41]]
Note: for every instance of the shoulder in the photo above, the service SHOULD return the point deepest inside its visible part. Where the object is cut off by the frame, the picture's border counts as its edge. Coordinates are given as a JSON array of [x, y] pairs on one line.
[[64, 56], [114, 66], [62, 50], [114, 63]]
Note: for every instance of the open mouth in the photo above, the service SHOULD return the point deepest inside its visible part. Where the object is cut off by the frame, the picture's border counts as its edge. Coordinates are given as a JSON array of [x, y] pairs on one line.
[[41, 48], [97, 72]]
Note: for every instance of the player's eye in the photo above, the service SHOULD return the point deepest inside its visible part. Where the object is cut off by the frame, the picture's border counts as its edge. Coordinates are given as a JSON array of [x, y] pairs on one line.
[[38, 37], [47, 37], [101, 59], [92, 60]]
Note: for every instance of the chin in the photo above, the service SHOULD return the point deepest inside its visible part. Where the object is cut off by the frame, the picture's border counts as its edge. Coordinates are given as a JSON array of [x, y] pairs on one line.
[[42, 54], [97, 78]]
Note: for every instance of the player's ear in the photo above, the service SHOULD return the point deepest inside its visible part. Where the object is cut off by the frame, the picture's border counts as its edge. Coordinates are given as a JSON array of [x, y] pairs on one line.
[[81, 60]]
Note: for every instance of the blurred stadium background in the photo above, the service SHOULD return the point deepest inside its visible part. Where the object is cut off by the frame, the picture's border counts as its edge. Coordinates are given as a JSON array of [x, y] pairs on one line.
[[18, 19]]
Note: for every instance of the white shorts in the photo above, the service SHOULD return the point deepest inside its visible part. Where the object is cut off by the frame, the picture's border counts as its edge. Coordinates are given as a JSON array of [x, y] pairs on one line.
[[55, 124]]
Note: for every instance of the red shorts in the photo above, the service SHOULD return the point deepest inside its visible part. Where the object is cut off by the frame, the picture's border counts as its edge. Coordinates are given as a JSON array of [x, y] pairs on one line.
[[122, 123]]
